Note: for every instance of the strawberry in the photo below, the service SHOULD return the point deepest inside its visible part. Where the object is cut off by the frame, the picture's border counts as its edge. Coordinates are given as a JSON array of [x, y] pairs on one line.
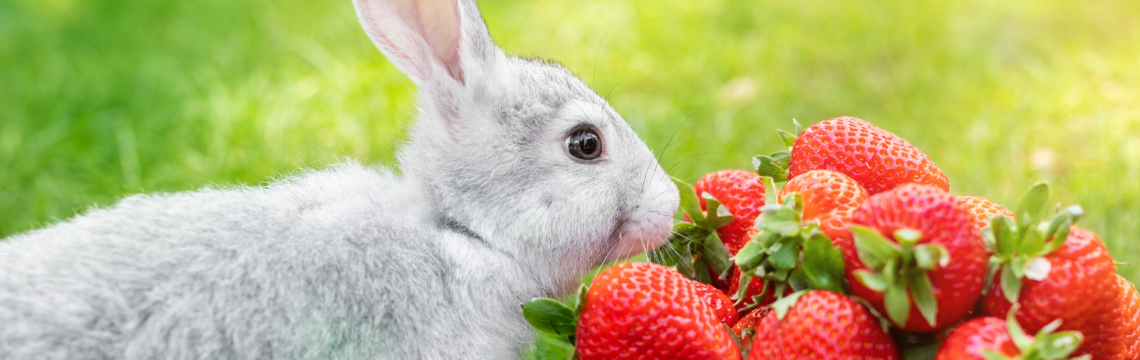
[[1055, 271], [787, 246], [970, 340], [983, 209], [1077, 285], [876, 158], [916, 257], [742, 194], [648, 311], [991, 338], [700, 247], [748, 322], [1128, 320], [819, 324], [829, 198], [720, 304]]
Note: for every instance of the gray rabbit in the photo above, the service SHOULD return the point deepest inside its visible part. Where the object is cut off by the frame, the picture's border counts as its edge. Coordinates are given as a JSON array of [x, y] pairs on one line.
[[517, 180]]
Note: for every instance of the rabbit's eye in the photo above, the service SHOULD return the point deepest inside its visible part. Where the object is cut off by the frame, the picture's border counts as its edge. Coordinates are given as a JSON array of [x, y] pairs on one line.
[[584, 144]]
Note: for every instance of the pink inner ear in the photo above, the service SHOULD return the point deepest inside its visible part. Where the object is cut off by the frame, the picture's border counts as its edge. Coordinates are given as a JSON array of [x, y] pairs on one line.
[[438, 22]]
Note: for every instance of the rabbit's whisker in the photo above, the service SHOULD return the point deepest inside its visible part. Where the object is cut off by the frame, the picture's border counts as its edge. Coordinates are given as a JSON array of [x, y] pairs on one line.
[[598, 51], [695, 155]]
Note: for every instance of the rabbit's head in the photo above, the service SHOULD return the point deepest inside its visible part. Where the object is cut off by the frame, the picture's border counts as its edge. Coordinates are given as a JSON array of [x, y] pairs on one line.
[[519, 152]]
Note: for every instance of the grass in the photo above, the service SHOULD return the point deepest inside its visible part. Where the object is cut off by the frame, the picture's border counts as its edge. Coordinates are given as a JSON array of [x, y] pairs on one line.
[[102, 98]]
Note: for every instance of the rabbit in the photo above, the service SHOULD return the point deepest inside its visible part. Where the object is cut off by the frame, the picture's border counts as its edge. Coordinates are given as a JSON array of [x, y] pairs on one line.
[[517, 180]]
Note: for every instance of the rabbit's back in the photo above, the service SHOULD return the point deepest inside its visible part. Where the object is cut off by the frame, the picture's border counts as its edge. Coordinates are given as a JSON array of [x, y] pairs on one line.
[[329, 264]]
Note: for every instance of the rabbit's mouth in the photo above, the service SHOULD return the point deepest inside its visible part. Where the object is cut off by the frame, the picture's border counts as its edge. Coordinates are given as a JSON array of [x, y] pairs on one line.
[[636, 234]]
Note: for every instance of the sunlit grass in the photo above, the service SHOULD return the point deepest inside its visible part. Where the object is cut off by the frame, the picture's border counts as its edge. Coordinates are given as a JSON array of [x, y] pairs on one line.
[[102, 98]]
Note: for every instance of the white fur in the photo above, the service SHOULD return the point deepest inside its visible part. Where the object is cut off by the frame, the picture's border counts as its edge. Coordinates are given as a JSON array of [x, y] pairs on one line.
[[355, 262]]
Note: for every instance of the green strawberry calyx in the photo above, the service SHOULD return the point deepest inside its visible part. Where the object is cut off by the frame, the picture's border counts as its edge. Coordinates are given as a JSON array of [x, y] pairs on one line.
[[775, 165], [1045, 345], [787, 252], [555, 317], [694, 248], [786, 303], [1020, 247], [899, 270]]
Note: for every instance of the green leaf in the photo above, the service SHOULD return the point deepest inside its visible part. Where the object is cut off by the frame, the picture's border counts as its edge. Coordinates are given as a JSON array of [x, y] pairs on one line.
[[770, 189], [780, 220], [716, 255], [774, 165], [1005, 235], [742, 287], [701, 271], [583, 290], [1032, 206], [798, 280], [1010, 284], [795, 201], [906, 236], [897, 303], [931, 256], [1018, 266], [1075, 212], [685, 264], [689, 202], [1016, 333], [1059, 237], [1050, 226], [992, 268], [871, 280], [716, 215], [1058, 345], [786, 255], [874, 249], [789, 139], [922, 290], [550, 316], [750, 256], [784, 304], [1050, 327], [891, 271], [823, 263], [799, 129]]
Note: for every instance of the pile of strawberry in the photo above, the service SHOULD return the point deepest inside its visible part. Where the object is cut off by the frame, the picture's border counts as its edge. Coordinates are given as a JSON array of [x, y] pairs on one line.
[[863, 254]]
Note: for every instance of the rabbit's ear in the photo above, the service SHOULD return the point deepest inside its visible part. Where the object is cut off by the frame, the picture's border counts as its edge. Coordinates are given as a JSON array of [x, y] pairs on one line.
[[424, 37]]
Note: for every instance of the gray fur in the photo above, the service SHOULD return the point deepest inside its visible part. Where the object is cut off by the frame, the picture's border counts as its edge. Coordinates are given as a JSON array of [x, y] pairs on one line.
[[353, 261]]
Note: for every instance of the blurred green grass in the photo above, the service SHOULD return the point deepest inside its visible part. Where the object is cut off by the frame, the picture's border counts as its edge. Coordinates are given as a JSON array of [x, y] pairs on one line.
[[102, 98]]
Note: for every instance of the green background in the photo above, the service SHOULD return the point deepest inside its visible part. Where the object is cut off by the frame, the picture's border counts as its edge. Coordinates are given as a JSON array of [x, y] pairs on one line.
[[103, 98]]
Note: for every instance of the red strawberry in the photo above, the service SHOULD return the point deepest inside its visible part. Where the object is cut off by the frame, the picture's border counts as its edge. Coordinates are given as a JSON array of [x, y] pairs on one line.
[[788, 241], [648, 311], [820, 324], [1077, 285], [969, 340], [829, 198], [916, 257], [1128, 320], [720, 304], [991, 337], [983, 209], [742, 194], [748, 322], [875, 158]]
